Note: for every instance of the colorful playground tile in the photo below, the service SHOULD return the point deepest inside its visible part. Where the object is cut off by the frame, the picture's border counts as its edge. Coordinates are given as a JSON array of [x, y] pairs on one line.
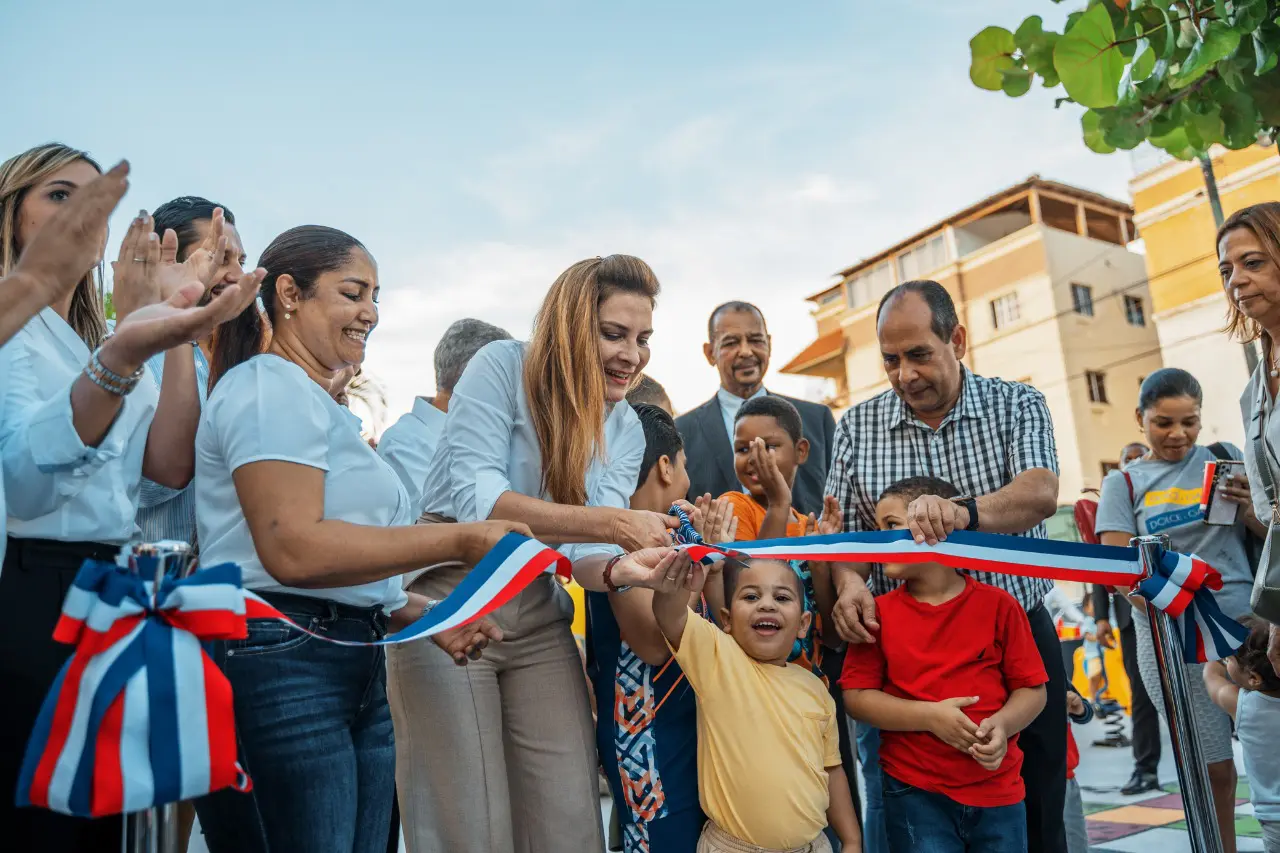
[[1139, 814], [1101, 833], [1247, 826]]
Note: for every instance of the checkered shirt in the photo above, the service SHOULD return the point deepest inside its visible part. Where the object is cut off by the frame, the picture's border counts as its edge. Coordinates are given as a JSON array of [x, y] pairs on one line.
[[997, 430]]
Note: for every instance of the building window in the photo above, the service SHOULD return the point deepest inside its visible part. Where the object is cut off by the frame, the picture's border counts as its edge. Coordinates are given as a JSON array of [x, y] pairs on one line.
[[1005, 310], [1097, 383], [828, 298], [869, 285], [923, 259], [1133, 311], [1082, 299], [1108, 467]]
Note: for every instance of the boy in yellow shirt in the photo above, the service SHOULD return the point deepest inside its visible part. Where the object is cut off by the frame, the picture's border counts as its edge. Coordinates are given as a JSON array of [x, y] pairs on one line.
[[769, 774]]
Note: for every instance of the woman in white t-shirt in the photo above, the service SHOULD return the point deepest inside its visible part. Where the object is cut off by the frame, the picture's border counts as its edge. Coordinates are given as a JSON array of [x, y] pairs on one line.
[[322, 528]]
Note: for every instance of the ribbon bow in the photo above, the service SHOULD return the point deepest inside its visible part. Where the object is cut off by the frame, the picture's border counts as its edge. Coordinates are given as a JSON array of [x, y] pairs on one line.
[[141, 716], [1180, 585]]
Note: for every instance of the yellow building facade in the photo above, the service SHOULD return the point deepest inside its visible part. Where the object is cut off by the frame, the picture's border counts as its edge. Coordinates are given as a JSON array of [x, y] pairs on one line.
[[1171, 210], [1050, 295]]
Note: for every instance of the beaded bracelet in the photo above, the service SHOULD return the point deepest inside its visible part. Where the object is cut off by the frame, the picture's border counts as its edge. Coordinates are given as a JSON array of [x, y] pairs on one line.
[[108, 380], [111, 374]]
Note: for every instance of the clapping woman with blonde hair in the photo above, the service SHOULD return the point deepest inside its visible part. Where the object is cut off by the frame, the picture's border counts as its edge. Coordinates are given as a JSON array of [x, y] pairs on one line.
[[78, 428]]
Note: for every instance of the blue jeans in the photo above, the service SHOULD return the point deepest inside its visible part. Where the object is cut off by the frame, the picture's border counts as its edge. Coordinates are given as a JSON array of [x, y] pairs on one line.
[[925, 822], [874, 835], [315, 736]]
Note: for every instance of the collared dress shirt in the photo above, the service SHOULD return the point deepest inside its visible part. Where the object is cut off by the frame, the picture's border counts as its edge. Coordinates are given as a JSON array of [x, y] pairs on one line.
[[489, 447], [996, 431]]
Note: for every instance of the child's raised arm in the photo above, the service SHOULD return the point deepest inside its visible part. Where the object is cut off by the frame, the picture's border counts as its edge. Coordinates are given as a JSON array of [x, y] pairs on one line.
[[675, 578], [1222, 690]]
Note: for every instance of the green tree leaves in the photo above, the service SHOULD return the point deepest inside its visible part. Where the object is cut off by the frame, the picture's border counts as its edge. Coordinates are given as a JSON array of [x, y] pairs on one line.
[[1181, 74], [1089, 61], [992, 51]]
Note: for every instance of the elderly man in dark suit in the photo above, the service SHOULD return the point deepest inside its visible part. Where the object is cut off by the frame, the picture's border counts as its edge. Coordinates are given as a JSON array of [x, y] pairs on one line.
[[738, 347]]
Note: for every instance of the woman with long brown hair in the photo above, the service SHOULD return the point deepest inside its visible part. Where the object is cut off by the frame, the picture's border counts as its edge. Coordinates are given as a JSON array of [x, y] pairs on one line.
[[1249, 263], [78, 430], [501, 757]]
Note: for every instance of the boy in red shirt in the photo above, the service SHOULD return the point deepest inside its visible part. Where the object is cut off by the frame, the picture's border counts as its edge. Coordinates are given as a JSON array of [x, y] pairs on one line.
[[952, 678]]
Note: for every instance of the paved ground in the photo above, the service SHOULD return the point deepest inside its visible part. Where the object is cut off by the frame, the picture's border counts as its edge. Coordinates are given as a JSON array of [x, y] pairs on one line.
[[1117, 824], [1150, 822]]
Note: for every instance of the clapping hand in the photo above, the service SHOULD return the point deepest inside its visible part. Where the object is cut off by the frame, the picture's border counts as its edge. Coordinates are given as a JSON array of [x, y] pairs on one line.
[[777, 490], [161, 326], [714, 519], [70, 242], [147, 270]]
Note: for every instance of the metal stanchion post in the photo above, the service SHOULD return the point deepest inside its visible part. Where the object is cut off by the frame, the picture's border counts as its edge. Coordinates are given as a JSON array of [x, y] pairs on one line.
[[156, 830], [1193, 772]]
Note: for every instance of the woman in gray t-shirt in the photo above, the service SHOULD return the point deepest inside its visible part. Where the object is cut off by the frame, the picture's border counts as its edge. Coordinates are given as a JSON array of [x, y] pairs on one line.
[[1160, 494]]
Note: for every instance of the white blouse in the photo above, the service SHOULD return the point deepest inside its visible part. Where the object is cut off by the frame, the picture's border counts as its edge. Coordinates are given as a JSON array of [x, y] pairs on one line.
[[269, 409], [1252, 402], [408, 445], [57, 487], [489, 447]]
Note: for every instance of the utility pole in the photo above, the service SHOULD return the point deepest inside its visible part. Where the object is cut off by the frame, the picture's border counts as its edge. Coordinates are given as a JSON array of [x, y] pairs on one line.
[[1215, 206]]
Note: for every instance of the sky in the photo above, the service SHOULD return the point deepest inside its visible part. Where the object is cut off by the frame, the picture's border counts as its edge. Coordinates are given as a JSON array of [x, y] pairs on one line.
[[746, 150]]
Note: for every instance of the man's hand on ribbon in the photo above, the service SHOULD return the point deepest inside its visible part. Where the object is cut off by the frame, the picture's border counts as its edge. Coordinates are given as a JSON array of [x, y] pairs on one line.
[[932, 519]]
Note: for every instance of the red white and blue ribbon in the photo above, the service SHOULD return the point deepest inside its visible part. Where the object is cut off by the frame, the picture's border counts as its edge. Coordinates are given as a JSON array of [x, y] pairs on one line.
[[140, 715], [1181, 585]]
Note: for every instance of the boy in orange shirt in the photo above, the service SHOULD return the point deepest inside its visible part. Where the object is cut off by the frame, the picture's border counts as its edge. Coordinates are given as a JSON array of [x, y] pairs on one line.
[[768, 448]]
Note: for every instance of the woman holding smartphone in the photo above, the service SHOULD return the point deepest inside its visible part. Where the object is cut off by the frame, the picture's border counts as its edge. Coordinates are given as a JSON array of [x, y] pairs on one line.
[[1160, 494]]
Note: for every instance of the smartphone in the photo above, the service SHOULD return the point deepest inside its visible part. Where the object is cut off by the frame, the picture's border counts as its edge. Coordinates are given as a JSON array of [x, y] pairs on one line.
[[1213, 503]]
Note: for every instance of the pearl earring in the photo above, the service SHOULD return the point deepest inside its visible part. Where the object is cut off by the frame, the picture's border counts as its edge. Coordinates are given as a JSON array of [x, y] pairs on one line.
[[286, 315]]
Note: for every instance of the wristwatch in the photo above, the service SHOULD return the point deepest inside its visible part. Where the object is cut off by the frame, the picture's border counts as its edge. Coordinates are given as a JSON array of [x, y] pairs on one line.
[[971, 505]]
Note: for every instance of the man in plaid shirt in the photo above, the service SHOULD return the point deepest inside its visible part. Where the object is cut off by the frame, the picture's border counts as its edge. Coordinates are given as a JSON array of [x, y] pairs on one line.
[[993, 440]]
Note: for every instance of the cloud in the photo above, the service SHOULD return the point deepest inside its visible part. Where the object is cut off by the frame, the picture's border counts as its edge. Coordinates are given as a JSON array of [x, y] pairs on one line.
[[725, 204]]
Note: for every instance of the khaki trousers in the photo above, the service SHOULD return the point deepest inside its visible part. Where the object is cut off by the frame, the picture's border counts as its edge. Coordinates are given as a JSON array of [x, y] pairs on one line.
[[716, 840], [498, 756]]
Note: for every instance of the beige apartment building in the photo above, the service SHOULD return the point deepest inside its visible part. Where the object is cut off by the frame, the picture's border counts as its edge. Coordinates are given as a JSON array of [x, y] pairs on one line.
[[1188, 305], [1050, 295]]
